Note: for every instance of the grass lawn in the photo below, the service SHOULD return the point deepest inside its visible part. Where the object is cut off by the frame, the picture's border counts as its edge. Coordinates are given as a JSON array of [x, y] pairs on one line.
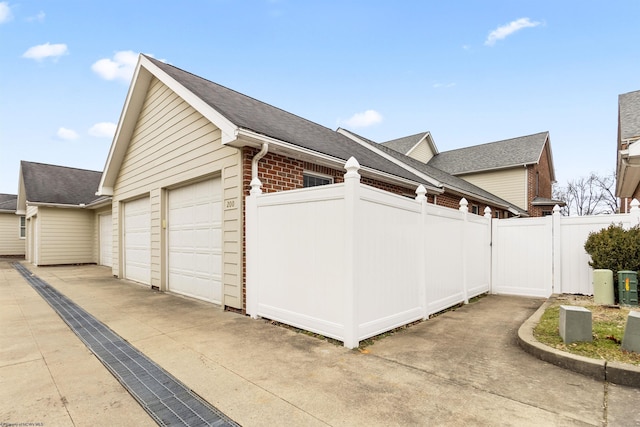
[[608, 330]]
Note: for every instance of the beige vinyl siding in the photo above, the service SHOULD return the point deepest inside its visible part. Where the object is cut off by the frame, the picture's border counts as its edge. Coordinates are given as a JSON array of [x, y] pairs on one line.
[[31, 251], [509, 184], [172, 145], [65, 236], [421, 152], [96, 231], [10, 241]]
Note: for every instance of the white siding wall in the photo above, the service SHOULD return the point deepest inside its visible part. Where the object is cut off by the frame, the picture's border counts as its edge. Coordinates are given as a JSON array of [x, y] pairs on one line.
[[509, 184], [65, 236], [173, 144], [10, 241]]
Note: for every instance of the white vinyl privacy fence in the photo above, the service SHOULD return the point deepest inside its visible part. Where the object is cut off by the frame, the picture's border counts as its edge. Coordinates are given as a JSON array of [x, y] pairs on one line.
[[350, 261]]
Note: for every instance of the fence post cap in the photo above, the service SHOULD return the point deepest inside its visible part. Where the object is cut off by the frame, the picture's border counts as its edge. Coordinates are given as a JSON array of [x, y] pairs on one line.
[[256, 186], [464, 205], [421, 192], [487, 212], [352, 166]]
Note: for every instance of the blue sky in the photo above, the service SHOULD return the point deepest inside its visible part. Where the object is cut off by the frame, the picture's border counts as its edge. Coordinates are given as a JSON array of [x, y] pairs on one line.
[[469, 72]]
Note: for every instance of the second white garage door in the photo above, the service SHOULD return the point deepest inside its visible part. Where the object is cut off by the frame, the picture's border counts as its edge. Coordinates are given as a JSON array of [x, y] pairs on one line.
[[137, 241], [195, 240], [106, 240]]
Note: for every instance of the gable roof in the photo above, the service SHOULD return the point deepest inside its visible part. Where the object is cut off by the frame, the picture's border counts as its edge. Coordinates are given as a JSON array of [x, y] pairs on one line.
[[446, 180], [238, 115], [8, 202], [520, 151], [405, 144], [629, 116], [58, 185]]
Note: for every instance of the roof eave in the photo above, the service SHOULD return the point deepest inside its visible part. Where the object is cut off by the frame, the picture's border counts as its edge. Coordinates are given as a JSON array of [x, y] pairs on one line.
[[246, 137], [427, 178], [144, 73]]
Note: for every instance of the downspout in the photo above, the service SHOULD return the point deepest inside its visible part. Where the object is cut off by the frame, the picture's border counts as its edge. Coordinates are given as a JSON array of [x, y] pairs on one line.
[[255, 182]]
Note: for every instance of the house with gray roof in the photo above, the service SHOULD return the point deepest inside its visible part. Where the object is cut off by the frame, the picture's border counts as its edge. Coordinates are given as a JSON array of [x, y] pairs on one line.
[[628, 149], [63, 215], [519, 170], [12, 227], [182, 161]]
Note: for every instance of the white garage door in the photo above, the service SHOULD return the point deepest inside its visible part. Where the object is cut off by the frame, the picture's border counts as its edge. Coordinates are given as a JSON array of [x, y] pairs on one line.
[[106, 240], [137, 241], [195, 240]]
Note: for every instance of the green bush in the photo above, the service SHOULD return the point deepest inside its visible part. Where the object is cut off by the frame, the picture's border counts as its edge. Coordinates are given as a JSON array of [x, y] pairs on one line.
[[614, 248]]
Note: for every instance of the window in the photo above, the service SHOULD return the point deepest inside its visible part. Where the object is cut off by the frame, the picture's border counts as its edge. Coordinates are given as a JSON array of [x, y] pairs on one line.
[[475, 209], [496, 214], [315, 180], [23, 228], [547, 213]]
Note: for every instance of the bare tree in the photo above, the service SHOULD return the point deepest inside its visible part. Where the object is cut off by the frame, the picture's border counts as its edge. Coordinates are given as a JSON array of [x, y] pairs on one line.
[[592, 195]]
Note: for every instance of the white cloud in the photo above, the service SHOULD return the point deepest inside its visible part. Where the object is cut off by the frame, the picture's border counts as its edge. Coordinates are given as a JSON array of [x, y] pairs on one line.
[[46, 50], [67, 134], [103, 130], [37, 18], [508, 29], [5, 12], [361, 120], [121, 67]]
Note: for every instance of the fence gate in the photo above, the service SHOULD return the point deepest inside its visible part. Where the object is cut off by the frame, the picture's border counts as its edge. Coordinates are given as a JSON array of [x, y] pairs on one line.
[[522, 256]]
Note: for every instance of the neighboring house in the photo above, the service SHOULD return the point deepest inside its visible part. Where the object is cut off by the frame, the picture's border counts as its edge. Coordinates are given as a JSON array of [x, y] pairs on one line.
[[66, 223], [12, 227], [181, 163], [628, 158], [519, 170]]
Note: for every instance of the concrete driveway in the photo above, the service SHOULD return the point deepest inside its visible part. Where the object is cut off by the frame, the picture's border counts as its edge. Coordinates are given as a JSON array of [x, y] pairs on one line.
[[461, 368]]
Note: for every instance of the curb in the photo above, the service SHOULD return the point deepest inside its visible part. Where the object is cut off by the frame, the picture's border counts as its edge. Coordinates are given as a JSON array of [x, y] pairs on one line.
[[614, 372]]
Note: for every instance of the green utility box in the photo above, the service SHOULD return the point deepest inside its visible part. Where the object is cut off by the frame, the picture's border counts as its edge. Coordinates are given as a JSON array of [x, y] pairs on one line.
[[628, 287]]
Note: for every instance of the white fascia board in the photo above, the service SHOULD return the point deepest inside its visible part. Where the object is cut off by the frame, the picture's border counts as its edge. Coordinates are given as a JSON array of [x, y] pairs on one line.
[[227, 128], [126, 124], [392, 159], [426, 138], [55, 205], [633, 152], [255, 139], [145, 71]]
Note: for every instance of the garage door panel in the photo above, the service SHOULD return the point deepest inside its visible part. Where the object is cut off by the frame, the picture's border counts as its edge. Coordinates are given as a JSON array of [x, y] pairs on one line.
[[194, 240], [106, 240], [137, 240]]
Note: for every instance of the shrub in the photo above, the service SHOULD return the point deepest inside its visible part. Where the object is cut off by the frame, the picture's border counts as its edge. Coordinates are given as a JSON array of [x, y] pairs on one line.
[[614, 248]]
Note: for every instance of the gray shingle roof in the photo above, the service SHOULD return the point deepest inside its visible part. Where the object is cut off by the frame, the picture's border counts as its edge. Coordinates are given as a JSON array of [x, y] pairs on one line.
[[8, 202], [524, 150], [629, 111], [59, 184], [404, 144], [250, 114], [450, 181]]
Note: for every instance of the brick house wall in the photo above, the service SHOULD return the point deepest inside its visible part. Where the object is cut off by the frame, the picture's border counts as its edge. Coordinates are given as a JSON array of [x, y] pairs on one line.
[[539, 183]]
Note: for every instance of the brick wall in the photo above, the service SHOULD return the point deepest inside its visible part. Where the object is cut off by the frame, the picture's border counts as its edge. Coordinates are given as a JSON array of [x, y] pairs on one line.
[[539, 183]]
